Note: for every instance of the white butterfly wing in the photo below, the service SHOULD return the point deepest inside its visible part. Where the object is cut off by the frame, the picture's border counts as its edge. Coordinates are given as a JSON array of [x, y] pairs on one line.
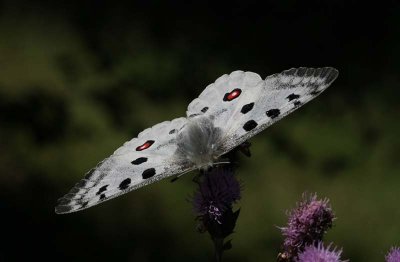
[[139, 162], [221, 99], [242, 104], [280, 95]]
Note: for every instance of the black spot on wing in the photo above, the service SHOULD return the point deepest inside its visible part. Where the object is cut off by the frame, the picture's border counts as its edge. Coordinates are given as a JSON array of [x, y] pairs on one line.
[[84, 204], [250, 125], [204, 109], [102, 189], [102, 196], [172, 131], [148, 173], [139, 161], [247, 108], [297, 103], [292, 97], [125, 184], [272, 113]]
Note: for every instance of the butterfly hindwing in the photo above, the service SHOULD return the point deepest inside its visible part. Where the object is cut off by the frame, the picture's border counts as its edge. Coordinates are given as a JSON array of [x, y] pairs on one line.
[[141, 161]]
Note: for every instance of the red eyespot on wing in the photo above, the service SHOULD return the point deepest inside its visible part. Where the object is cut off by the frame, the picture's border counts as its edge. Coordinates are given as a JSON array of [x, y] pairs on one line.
[[146, 145], [235, 93]]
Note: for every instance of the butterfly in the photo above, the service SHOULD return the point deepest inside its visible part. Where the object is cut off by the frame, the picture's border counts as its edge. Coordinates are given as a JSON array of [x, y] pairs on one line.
[[226, 114]]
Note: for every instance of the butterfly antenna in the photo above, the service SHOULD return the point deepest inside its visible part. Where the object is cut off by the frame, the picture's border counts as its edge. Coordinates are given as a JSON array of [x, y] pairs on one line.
[[222, 162], [179, 175]]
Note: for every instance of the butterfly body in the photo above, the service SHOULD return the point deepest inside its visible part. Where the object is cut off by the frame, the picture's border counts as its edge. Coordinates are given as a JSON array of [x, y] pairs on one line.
[[199, 141], [227, 113]]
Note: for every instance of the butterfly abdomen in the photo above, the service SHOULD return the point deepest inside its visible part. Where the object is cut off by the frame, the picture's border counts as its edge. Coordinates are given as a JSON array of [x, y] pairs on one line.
[[198, 141]]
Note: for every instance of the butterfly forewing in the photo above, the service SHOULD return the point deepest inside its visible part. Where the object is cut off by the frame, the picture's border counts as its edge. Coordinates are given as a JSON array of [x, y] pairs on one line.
[[141, 161], [222, 97], [276, 97]]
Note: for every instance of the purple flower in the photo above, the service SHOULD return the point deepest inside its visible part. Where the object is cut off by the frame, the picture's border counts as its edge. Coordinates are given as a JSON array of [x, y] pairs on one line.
[[393, 255], [213, 202], [307, 224], [217, 192], [319, 253]]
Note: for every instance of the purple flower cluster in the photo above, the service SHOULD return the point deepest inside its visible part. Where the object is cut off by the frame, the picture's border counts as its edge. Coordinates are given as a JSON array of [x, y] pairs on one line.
[[213, 202], [318, 253], [217, 192], [393, 255], [307, 224]]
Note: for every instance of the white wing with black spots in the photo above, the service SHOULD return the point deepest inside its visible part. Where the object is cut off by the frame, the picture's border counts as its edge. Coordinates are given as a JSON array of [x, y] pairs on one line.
[[139, 162], [227, 113], [220, 99], [272, 99]]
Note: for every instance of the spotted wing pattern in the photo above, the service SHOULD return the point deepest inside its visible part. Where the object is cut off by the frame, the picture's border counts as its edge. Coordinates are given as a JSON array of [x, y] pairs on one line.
[[261, 105], [222, 98], [139, 162], [242, 104]]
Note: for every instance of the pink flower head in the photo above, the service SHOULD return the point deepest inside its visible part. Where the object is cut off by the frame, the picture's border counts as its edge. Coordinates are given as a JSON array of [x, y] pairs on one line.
[[318, 253], [307, 224], [393, 255]]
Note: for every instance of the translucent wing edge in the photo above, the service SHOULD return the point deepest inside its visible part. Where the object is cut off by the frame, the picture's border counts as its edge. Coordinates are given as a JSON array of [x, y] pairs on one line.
[[75, 200], [277, 81], [69, 204]]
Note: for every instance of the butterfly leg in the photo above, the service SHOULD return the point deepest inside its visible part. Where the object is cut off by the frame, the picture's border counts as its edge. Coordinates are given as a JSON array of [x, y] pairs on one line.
[[175, 178], [245, 148], [196, 178]]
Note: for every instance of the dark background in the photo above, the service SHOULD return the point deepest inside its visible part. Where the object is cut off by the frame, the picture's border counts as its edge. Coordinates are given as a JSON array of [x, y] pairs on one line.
[[79, 79]]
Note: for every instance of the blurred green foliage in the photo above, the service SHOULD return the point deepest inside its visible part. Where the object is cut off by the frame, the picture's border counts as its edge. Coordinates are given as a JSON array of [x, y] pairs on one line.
[[79, 79]]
